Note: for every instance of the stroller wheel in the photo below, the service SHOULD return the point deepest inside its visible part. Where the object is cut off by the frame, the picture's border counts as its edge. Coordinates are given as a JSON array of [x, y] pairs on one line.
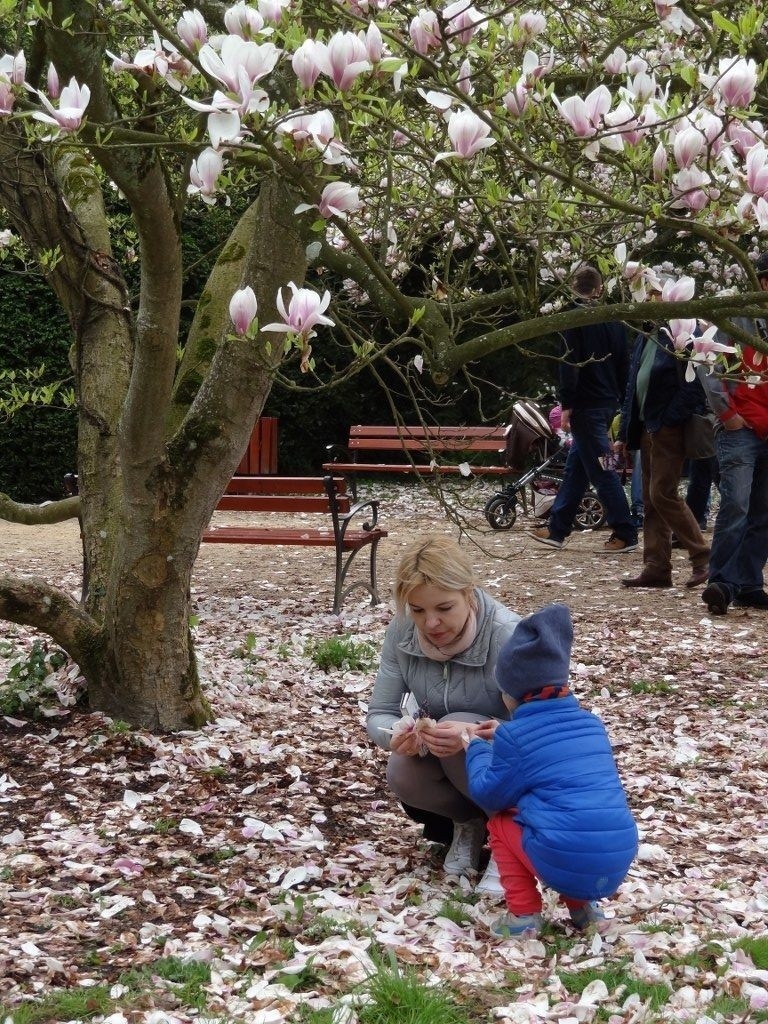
[[501, 512], [590, 514]]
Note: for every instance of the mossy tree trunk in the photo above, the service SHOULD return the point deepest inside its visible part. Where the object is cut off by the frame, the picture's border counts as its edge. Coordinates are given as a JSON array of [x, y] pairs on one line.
[[156, 443]]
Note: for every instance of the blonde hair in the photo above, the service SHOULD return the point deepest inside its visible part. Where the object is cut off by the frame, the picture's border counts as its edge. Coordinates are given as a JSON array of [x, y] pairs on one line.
[[438, 562]]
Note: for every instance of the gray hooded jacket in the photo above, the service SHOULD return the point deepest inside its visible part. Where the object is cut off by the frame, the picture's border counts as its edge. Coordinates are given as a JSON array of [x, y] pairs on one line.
[[466, 682]]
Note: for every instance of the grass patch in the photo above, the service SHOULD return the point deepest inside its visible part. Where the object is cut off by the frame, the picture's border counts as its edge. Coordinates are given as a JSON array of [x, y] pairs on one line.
[[653, 686], [187, 980], [615, 976], [756, 950], [341, 653], [398, 996], [61, 1004]]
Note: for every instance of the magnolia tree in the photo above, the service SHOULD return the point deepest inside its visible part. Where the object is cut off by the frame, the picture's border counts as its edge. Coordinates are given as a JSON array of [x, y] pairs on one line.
[[440, 168]]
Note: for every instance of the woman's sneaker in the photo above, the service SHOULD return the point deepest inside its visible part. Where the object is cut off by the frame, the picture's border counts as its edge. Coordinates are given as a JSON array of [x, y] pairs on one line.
[[490, 883], [524, 926], [590, 913], [463, 854]]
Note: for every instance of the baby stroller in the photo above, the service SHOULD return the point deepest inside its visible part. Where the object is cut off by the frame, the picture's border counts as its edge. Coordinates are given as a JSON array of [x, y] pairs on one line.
[[529, 438]]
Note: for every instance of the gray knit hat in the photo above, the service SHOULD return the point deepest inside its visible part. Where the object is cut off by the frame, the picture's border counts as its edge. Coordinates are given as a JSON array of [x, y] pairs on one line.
[[538, 653]]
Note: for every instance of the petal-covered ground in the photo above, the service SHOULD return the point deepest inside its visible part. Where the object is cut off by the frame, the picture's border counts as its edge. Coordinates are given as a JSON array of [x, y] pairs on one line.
[[266, 847]]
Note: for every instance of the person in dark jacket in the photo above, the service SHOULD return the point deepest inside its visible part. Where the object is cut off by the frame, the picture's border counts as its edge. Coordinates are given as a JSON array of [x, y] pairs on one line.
[[548, 779], [658, 402], [593, 377]]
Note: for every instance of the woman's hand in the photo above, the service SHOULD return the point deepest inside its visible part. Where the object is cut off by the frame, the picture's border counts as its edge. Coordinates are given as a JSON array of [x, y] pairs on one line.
[[406, 743], [444, 739]]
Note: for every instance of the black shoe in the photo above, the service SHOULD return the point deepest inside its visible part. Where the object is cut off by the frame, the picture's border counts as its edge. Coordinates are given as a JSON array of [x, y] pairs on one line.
[[716, 597], [752, 599]]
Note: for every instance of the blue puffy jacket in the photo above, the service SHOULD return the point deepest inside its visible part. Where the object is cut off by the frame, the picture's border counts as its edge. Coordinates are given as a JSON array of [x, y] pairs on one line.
[[553, 763]]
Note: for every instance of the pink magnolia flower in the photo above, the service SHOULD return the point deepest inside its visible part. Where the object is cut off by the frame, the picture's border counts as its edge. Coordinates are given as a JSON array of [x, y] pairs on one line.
[[337, 200], [52, 79], [535, 67], [516, 100], [737, 81], [678, 291], [242, 309], [626, 127], [687, 146], [424, 31], [585, 115], [743, 135], [705, 350], [319, 129], [204, 173], [192, 30], [7, 98], [681, 332], [72, 103], [615, 63], [374, 43], [243, 21], [461, 19], [239, 55], [691, 189], [272, 10], [305, 311], [464, 80], [531, 24], [672, 18], [757, 170], [468, 133], [308, 61], [13, 68], [660, 162], [346, 58]]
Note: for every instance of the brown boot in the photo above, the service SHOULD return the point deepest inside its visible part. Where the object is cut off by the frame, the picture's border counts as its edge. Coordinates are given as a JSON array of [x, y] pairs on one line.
[[698, 576], [647, 581]]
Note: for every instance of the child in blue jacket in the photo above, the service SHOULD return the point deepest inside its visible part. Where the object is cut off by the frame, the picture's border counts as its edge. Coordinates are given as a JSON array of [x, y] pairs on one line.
[[549, 782]]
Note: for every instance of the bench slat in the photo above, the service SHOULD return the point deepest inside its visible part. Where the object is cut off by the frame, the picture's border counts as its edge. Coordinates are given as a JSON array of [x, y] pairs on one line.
[[282, 485], [448, 444], [488, 432], [280, 503], [385, 467], [278, 535]]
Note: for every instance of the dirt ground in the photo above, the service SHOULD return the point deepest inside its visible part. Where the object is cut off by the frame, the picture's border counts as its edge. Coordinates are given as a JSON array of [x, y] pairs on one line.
[[510, 564]]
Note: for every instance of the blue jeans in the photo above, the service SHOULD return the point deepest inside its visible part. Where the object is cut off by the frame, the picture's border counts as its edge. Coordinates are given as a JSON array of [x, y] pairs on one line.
[[740, 539], [589, 428], [636, 485]]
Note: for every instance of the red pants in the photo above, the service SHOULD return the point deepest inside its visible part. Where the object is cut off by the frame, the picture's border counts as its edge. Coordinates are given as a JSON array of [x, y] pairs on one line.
[[515, 870]]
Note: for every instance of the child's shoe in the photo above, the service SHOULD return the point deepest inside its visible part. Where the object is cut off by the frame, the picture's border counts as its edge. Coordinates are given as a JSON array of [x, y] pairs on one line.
[[590, 913], [525, 926]]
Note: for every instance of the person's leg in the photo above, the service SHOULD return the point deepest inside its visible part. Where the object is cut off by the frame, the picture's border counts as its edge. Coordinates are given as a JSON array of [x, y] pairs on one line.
[[699, 487], [569, 494], [435, 784], [422, 782], [753, 552], [593, 426], [667, 457], [657, 570], [518, 878], [736, 454], [637, 507]]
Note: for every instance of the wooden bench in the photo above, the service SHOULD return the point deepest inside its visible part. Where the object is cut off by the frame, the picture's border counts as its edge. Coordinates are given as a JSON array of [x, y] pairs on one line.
[[421, 451], [299, 495]]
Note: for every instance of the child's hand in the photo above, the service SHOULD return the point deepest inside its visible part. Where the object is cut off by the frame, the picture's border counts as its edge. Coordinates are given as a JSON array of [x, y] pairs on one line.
[[485, 730]]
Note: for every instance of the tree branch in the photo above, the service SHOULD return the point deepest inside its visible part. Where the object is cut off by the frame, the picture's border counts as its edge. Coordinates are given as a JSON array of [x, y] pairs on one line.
[[30, 601], [39, 515]]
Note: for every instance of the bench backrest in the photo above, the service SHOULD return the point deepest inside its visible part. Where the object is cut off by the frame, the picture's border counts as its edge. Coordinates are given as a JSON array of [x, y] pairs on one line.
[[425, 439], [284, 494]]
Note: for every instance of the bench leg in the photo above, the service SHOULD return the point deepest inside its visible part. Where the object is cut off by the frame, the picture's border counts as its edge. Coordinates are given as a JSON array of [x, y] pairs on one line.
[[342, 568]]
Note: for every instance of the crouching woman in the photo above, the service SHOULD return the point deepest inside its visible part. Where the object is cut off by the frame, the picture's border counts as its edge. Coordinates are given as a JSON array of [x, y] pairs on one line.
[[438, 664]]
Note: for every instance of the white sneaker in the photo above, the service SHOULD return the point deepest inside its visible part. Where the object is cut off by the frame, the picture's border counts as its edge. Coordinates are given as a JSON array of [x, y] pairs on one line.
[[490, 883], [463, 854]]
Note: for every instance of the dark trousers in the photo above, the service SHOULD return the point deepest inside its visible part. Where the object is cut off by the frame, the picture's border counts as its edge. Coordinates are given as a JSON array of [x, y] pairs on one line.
[[662, 455], [589, 428]]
